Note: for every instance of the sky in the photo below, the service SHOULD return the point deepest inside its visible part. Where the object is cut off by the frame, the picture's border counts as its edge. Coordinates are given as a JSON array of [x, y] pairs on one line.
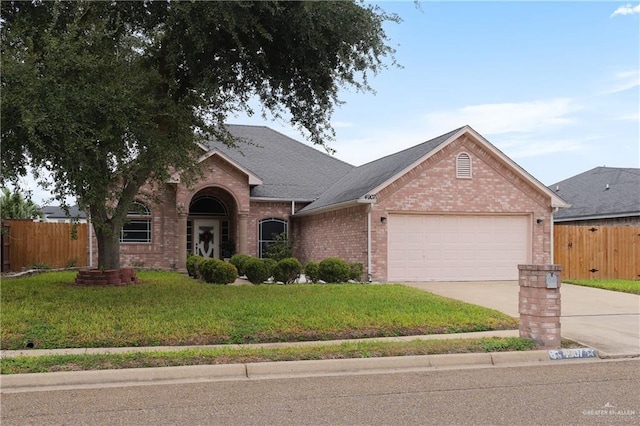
[[553, 85]]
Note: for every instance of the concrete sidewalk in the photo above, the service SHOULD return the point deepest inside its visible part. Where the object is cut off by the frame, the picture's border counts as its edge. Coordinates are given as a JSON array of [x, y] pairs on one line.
[[608, 321]]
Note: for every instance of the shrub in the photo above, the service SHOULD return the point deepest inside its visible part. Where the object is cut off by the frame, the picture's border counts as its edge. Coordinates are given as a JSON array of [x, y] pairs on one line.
[[256, 270], [218, 272], [192, 261], [271, 266], [355, 272], [312, 271], [287, 270], [333, 270], [280, 248], [197, 264], [238, 261]]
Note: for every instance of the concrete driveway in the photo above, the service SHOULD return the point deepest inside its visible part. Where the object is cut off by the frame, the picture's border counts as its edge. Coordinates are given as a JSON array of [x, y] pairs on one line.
[[608, 321]]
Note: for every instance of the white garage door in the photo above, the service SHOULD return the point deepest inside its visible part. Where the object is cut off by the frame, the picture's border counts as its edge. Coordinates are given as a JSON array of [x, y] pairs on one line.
[[456, 248]]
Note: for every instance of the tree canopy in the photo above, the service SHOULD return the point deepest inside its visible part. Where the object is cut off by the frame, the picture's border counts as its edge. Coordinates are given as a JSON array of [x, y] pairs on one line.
[[110, 95], [13, 205]]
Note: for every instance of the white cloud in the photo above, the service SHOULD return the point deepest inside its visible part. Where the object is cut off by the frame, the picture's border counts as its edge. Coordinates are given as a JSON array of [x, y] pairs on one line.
[[627, 9], [527, 148], [634, 116], [624, 80], [491, 119]]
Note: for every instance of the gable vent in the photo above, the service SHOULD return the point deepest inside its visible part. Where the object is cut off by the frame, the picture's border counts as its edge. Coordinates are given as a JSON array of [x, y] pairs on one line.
[[463, 165]]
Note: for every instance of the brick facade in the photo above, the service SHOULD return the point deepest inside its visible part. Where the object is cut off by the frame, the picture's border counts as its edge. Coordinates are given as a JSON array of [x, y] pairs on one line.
[[338, 233]]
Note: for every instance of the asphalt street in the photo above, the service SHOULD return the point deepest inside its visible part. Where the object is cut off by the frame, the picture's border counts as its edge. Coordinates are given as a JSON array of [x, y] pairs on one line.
[[569, 392]]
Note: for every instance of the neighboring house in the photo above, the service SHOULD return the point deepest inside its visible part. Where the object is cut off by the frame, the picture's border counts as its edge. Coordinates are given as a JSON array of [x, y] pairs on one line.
[[598, 237], [58, 215], [600, 196], [452, 208]]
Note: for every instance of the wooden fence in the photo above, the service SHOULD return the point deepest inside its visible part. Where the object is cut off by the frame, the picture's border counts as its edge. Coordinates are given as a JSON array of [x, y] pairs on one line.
[[31, 243], [597, 252]]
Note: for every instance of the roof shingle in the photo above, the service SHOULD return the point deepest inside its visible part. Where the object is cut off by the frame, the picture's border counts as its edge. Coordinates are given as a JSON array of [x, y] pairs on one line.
[[600, 193], [290, 170]]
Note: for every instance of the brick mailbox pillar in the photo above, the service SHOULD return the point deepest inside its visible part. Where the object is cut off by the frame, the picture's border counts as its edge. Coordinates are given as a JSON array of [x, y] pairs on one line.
[[539, 304]]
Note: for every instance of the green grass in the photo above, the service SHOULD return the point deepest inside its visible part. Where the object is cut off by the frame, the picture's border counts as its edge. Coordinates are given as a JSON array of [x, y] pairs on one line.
[[172, 309], [362, 349], [625, 286]]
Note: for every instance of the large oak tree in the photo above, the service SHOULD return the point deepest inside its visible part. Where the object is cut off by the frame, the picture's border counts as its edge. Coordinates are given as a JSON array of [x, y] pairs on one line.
[[110, 95]]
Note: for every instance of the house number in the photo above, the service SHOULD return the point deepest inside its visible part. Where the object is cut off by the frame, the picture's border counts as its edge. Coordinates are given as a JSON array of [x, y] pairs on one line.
[[370, 197]]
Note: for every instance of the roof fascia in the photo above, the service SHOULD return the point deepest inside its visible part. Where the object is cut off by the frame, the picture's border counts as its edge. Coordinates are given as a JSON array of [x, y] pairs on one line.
[[592, 217], [278, 200], [253, 179], [404, 171], [556, 201], [333, 207]]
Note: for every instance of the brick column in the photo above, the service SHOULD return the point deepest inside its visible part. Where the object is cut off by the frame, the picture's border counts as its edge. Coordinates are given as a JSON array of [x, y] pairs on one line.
[[242, 232], [181, 235], [539, 304]]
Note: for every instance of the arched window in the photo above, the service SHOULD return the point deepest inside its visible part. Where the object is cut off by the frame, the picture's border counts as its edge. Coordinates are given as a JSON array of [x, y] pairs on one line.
[[268, 231], [207, 206], [463, 166], [137, 228]]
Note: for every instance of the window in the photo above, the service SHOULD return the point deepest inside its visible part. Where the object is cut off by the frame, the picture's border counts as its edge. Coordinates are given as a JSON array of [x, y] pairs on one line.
[[137, 229], [269, 228], [463, 166]]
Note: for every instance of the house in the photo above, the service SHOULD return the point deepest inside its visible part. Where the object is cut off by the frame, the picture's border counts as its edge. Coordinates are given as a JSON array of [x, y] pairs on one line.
[[58, 215], [597, 237], [600, 196], [452, 208]]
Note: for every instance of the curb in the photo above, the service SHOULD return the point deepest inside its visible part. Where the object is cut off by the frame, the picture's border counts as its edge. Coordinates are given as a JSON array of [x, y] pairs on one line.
[[265, 370]]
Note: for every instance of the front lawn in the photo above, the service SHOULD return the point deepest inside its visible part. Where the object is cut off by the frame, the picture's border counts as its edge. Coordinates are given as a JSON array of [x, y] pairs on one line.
[[625, 286], [47, 311]]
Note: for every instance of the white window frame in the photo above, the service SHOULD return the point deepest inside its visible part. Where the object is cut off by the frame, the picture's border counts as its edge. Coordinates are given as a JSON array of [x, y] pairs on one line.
[[262, 241], [138, 214]]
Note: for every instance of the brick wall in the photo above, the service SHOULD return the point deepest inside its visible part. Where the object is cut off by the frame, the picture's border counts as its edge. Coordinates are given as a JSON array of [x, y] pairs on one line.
[[339, 233]]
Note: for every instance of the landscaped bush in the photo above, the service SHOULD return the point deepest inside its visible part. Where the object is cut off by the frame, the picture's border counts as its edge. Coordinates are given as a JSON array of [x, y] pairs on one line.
[[355, 272], [238, 261], [280, 248], [287, 270], [256, 270], [312, 271], [196, 266], [192, 261], [333, 270], [216, 271], [271, 266]]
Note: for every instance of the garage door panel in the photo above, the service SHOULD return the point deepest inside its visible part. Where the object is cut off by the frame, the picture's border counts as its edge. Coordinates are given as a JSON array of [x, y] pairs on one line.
[[457, 248]]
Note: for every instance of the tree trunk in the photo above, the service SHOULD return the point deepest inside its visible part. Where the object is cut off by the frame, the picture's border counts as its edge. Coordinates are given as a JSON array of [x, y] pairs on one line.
[[108, 247]]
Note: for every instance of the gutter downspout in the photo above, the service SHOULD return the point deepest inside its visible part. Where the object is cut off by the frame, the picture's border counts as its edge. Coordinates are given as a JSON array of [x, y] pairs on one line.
[[369, 274], [90, 241], [551, 239]]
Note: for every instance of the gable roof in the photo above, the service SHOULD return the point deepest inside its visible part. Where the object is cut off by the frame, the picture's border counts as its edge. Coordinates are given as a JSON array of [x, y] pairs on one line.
[[287, 169], [362, 182], [600, 193]]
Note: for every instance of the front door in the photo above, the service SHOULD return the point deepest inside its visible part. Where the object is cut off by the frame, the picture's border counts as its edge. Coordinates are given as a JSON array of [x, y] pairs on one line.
[[207, 238]]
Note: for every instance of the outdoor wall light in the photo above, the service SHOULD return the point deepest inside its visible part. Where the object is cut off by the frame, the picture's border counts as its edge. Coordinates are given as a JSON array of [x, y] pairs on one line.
[[383, 219], [539, 221]]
